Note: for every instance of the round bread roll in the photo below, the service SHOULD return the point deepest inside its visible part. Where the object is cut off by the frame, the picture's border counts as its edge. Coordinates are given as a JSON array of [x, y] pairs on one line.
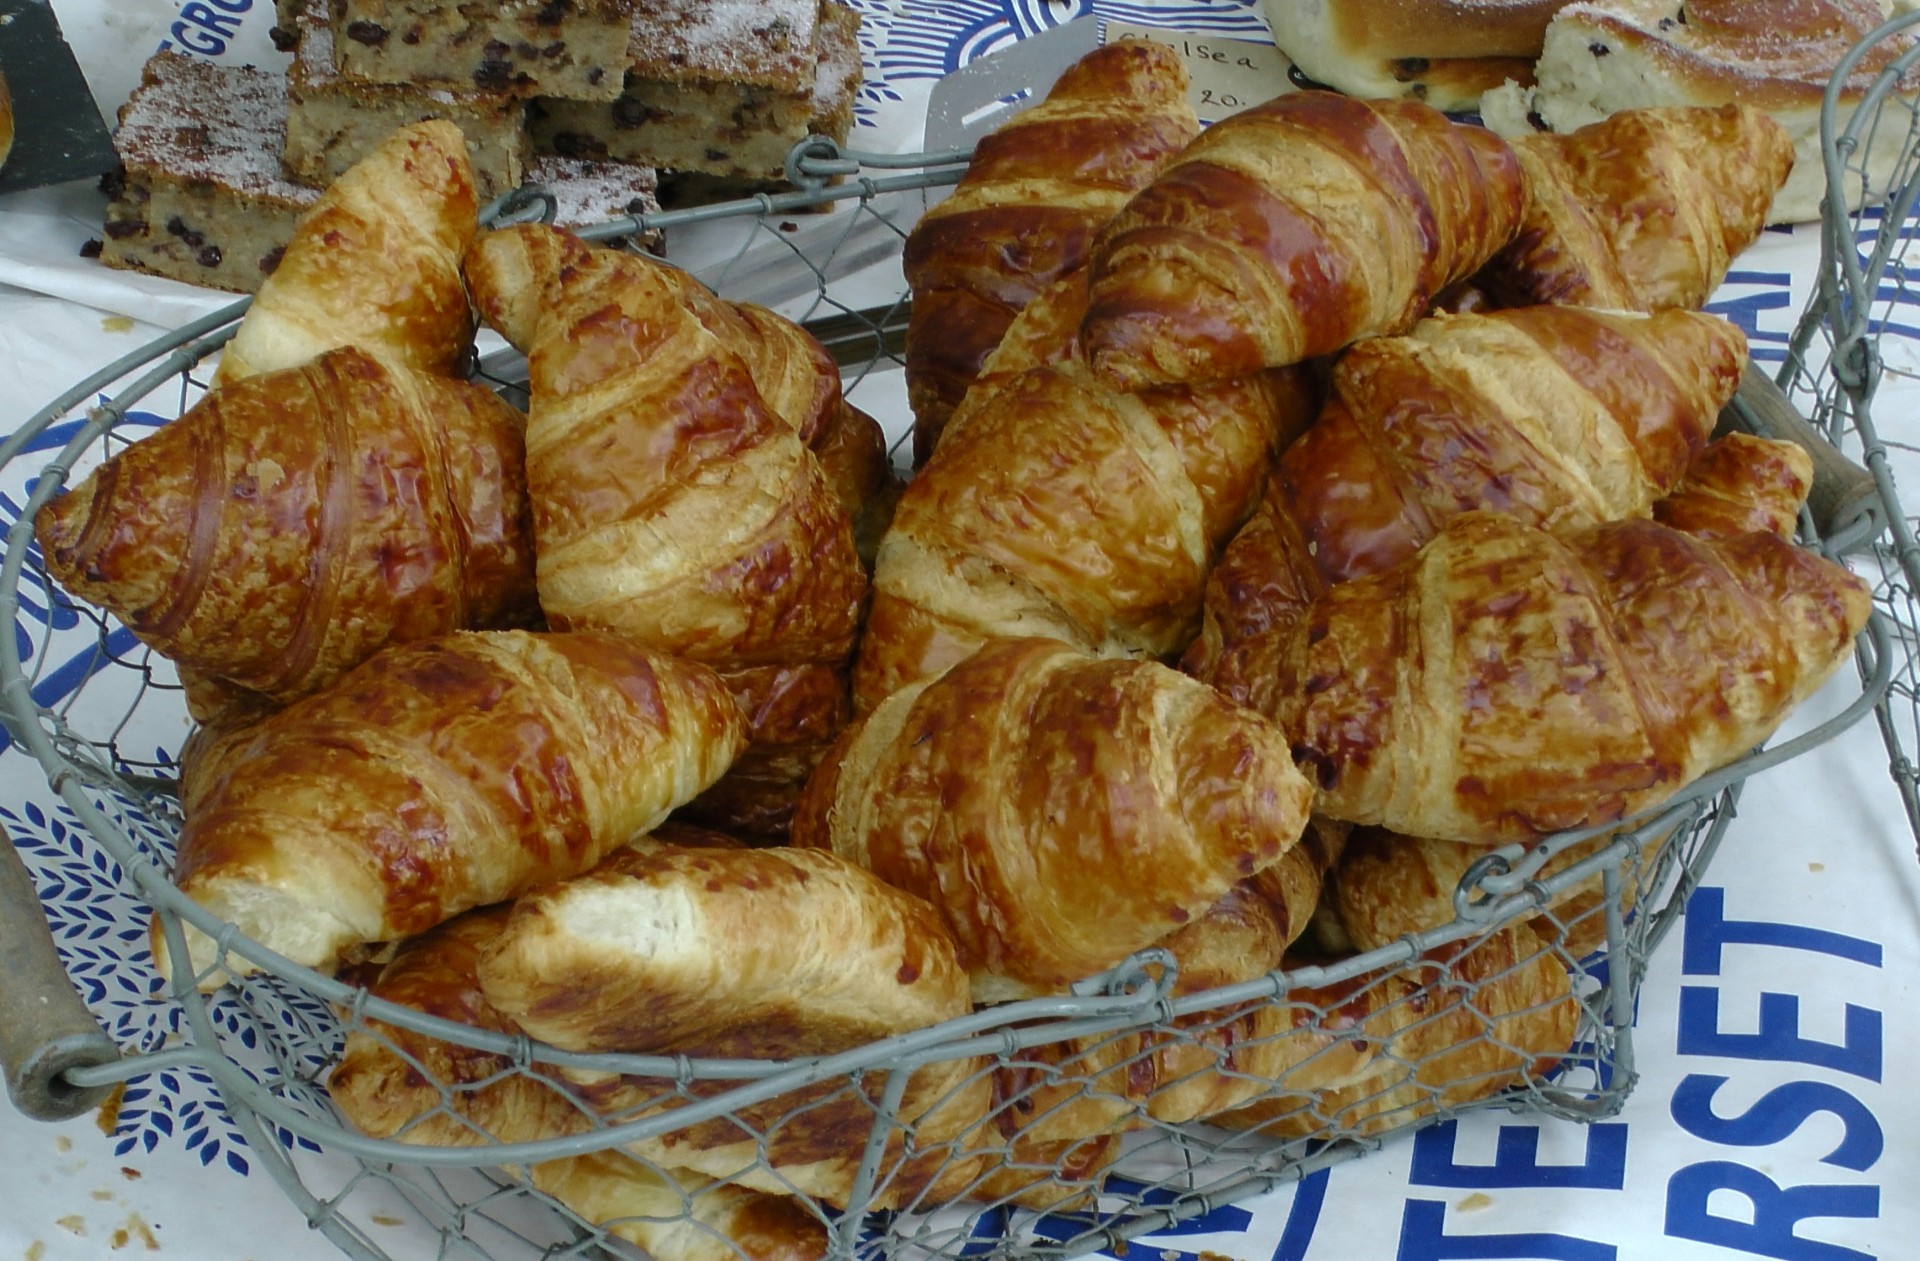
[[1443, 52]]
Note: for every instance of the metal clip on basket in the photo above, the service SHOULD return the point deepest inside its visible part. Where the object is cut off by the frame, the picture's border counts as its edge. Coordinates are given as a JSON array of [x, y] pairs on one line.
[[268, 1041]]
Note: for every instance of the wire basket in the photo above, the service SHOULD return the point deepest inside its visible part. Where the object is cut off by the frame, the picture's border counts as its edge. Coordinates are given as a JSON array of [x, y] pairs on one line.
[[971, 1138]]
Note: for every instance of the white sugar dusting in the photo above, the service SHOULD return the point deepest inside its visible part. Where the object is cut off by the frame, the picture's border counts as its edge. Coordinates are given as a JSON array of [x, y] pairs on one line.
[[588, 192], [837, 76], [1756, 51], [764, 42], [194, 120]]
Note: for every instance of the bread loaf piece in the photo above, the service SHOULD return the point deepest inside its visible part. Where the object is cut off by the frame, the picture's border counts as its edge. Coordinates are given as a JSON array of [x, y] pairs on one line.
[[1291, 230], [441, 776], [1443, 52], [1507, 682], [1641, 211], [1603, 56], [1026, 211], [375, 263], [290, 525], [1059, 811]]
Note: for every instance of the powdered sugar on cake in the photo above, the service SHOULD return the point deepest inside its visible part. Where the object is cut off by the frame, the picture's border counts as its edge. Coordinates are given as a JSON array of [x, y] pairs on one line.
[[763, 42], [200, 121]]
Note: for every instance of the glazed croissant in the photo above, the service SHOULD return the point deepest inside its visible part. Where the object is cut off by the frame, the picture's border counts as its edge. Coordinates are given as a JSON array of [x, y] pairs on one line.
[[289, 526], [670, 504], [1025, 213], [758, 954], [389, 1080], [1556, 416], [441, 776], [1290, 230], [1642, 211], [1488, 1014], [742, 953], [1215, 1059], [1741, 484], [375, 263], [1388, 885], [1059, 811], [1058, 507], [679, 1216], [1507, 682]]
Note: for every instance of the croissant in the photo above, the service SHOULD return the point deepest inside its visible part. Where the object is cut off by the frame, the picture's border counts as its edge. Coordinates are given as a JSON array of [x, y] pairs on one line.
[[1059, 811], [677, 1216], [1035, 192], [1559, 417], [388, 1082], [1642, 211], [1058, 507], [1290, 230], [441, 776], [769, 953], [1214, 1059], [1388, 885], [391, 1082], [375, 263], [670, 504], [793, 714], [1491, 1014], [289, 526], [733, 953], [1507, 682], [1741, 484]]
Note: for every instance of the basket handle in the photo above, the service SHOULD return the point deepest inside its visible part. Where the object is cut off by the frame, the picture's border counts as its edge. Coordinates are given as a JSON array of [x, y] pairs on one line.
[[1845, 500], [44, 1027]]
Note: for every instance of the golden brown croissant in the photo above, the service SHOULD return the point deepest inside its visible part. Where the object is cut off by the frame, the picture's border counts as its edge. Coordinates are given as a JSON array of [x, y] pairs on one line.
[[1507, 682], [1290, 230], [678, 1216], [1557, 416], [388, 1082], [1060, 812], [1056, 506], [743, 953], [734, 953], [391, 1082], [375, 263], [1388, 885], [1642, 211], [1740, 484], [793, 714], [1215, 1059], [441, 776], [1484, 1016], [1026, 211], [290, 525], [670, 504]]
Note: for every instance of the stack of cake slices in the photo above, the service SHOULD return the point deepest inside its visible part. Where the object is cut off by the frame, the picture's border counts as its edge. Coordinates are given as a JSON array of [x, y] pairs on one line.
[[612, 105]]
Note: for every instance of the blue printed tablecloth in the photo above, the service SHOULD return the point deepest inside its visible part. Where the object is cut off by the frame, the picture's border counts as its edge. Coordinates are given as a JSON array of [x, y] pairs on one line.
[[1777, 1114]]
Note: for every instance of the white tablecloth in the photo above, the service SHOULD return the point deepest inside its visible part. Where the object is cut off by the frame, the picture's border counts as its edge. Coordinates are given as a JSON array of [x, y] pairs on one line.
[[1777, 1113]]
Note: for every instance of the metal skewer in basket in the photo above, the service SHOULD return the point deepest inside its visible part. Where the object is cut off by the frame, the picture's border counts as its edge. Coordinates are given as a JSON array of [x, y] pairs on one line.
[[268, 1041]]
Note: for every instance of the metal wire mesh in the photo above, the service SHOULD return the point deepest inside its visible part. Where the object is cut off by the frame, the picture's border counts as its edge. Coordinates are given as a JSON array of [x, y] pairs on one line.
[[1851, 361], [1050, 1127]]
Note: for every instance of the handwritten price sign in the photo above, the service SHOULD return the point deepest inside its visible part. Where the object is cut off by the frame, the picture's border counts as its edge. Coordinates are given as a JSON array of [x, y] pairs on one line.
[[1228, 75]]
